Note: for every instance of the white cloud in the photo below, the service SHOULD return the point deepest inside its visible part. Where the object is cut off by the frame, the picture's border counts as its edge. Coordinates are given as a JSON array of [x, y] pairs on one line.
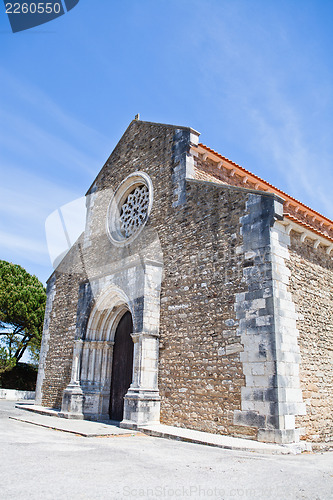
[[22, 135], [22, 244], [272, 108], [304, 168], [39, 143], [33, 98]]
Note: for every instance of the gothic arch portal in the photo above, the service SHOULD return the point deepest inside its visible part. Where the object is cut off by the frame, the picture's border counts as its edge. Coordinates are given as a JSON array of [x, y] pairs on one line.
[[88, 394], [135, 288], [106, 313]]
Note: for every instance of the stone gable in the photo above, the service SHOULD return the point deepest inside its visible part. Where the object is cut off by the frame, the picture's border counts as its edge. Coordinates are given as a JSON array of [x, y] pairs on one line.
[[230, 333]]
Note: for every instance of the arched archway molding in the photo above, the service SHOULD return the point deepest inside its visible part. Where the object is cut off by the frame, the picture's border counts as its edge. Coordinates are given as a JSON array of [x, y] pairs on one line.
[[88, 393]]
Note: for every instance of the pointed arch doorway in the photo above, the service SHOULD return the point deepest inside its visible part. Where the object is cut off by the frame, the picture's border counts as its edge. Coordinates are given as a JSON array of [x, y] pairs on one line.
[[122, 366], [133, 391]]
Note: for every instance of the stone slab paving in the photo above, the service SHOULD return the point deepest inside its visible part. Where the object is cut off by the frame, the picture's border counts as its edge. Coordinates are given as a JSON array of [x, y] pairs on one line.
[[226, 442], [47, 417], [84, 428], [39, 463]]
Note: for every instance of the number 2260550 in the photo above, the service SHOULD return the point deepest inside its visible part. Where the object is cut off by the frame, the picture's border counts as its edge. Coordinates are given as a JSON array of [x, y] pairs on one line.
[[33, 8]]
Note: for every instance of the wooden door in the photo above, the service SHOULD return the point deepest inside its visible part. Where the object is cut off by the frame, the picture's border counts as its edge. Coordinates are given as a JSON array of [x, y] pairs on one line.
[[122, 366]]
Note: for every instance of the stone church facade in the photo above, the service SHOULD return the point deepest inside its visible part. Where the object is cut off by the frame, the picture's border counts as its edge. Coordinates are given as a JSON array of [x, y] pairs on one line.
[[198, 296]]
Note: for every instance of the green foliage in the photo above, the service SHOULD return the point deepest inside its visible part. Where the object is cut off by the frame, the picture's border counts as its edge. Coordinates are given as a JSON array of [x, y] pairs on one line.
[[22, 377], [22, 306], [6, 363]]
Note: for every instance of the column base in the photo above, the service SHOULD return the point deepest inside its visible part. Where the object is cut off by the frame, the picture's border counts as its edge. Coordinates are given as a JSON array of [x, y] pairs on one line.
[[72, 402], [141, 407], [96, 403]]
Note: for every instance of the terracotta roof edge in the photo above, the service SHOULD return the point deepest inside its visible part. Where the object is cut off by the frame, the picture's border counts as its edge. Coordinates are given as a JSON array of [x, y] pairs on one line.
[[291, 198]]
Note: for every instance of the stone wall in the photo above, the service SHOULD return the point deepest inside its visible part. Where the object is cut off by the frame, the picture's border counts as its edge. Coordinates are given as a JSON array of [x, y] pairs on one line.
[[211, 294], [311, 286], [16, 395], [58, 337], [198, 226], [158, 150], [200, 373]]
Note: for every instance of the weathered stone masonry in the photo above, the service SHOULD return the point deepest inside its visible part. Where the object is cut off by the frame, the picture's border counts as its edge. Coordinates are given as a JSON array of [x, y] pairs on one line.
[[306, 262], [311, 287], [58, 337], [228, 329], [272, 396], [200, 374]]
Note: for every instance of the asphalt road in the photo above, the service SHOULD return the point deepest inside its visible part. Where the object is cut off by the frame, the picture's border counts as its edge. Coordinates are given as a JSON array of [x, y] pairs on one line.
[[39, 463]]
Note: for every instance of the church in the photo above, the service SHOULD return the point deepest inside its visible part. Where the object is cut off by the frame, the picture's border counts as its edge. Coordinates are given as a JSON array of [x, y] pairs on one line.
[[198, 296]]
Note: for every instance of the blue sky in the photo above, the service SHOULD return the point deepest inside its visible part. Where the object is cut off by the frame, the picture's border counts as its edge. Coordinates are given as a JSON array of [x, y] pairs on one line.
[[254, 77]]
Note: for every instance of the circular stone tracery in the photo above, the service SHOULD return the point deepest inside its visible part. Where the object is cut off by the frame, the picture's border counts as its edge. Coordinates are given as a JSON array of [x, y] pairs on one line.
[[134, 211], [129, 208]]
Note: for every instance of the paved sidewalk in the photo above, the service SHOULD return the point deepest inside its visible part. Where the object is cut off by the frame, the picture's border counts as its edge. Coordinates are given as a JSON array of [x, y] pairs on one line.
[[46, 417], [63, 465], [226, 442]]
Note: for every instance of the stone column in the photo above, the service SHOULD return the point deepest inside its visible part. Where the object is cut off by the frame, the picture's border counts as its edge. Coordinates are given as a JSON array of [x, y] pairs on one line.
[[142, 401], [85, 363], [98, 363], [107, 365], [91, 368], [106, 370], [72, 401]]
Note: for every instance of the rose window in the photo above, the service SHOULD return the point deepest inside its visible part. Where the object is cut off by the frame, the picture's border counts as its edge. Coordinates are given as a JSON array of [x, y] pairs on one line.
[[134, 211], [129, 208]]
